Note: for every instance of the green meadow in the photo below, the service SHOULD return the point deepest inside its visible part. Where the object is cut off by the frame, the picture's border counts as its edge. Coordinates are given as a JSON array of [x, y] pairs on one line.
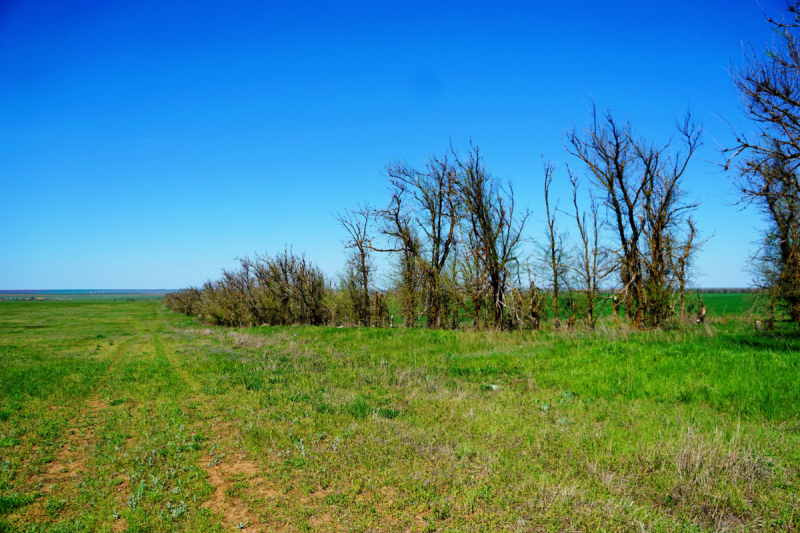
[[123, 416]]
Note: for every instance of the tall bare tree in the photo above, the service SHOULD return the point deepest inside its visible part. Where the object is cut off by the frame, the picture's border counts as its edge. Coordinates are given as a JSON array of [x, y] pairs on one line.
[[592, 265], [554, 253], [640, 184], [665, 215], [605, 147], [494, 227], [769, 90], [421, 223]]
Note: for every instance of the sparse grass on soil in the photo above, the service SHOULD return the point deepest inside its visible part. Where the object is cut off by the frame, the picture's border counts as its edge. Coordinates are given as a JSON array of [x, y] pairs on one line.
[[122, 416]]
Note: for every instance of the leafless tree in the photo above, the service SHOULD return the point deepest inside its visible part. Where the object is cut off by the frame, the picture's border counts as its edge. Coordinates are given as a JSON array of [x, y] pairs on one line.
[[291, 289], [359, 266], [640, 184], [421, 223], [380, 308], [778, 264], [187, 301], [473, 280], [592, 265], [607, 151], [682, 259], [769, 90], [534, 306], [494, 227], [405, 274], [554, 253], [665, 215]]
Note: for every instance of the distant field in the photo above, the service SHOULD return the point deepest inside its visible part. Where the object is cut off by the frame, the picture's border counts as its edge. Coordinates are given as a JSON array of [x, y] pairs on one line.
[[82, 295], [730, 304], [122, 416]]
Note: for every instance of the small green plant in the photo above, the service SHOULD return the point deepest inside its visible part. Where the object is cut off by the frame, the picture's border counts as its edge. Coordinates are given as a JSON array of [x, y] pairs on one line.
[[336, 499], [358, 408], [11, 502], [466, 451], [441, 511], [324, 408], [54, 507], [385, 412]]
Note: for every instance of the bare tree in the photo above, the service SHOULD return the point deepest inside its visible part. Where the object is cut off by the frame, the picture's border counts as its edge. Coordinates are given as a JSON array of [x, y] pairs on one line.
[[554, 253], [293, 287], [360, 265], [534, 306], [592, 265], [411, 279], [682, 259], [769, 90], [278, 290], [778, 264], [473, 279], [640, 184], [606, 150], [664, 212], [494, 227], [380, 308], [188, 301], [421, 223]]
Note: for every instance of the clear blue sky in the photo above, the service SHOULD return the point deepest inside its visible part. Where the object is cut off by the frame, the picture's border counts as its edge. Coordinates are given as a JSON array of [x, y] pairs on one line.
[[147, 144]]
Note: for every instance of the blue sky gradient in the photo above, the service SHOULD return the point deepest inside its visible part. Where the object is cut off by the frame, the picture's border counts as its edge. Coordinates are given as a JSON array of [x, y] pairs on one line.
[[148, 144]]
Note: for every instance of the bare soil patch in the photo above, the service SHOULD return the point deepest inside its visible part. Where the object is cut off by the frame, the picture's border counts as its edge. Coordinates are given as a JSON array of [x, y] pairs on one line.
[[70, 460], [96, 404], [236, 481]]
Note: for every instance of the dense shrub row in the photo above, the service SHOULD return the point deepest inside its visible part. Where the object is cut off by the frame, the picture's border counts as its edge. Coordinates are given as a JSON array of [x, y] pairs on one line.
[[283, 289]]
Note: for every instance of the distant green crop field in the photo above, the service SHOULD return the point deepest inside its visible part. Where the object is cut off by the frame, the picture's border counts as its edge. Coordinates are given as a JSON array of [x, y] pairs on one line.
[[729, 304], [122, 416]]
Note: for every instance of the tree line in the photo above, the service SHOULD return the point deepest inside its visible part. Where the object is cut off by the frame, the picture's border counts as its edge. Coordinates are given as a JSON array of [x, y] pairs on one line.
[[461, 255]]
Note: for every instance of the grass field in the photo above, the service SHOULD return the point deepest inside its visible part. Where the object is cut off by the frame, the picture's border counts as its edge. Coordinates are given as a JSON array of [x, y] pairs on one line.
[[113, 296], [122, 416]]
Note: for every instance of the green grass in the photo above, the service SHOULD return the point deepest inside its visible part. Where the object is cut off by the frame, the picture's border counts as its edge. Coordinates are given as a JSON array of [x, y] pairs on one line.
[[122, 416], [81, 296], [720, 304]]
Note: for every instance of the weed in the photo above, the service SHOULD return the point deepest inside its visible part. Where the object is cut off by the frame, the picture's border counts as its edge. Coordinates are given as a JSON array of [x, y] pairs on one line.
[[54, 507], [336, 499], [358, 408], [14, 501]]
